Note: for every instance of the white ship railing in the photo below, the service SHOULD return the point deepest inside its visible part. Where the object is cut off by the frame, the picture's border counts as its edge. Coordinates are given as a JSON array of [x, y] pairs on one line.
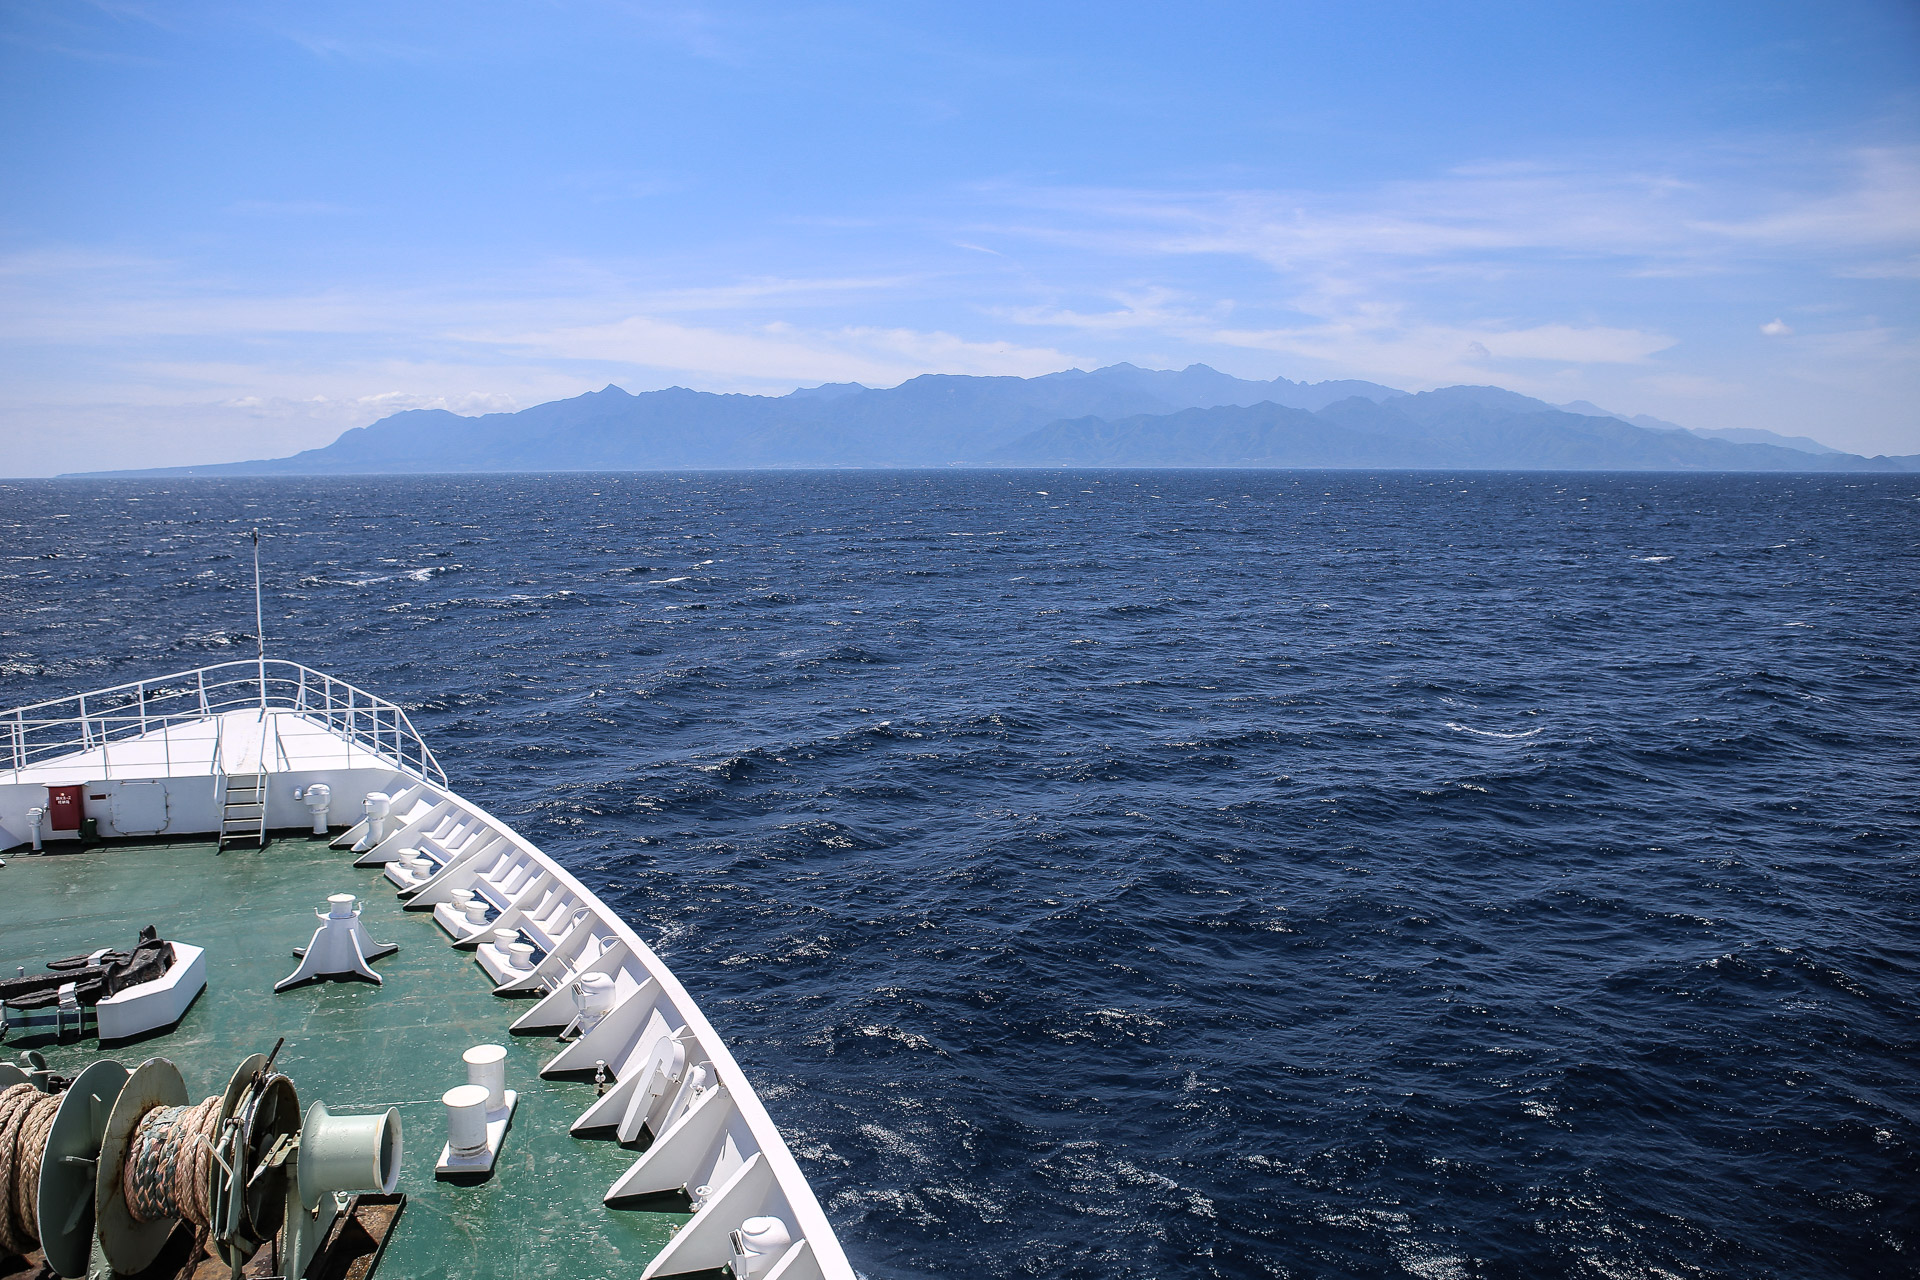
[[92, 721]]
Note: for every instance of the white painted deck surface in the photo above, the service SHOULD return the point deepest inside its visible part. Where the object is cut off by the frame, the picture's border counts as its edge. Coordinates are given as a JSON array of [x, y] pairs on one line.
[[229, 742]]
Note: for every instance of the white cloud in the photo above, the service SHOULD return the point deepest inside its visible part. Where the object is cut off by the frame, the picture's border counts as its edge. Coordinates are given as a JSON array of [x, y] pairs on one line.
[[777, 352], [1559, 280], [1870, 200], [1415, 354], [356, 409], [1396, 282], [1879, 208], [1776, 328], [1356, 336], [1151, 309]]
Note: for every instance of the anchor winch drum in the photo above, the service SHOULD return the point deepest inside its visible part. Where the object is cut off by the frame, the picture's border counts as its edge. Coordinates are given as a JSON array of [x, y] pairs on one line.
[[68, 1166], [129, 1243]]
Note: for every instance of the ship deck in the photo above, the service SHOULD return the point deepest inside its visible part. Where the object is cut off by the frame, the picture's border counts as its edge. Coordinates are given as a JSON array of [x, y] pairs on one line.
[[353, 1045]]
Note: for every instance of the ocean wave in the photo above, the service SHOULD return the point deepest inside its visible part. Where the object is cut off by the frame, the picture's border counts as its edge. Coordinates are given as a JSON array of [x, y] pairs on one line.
[[1189, 951], [1490, 733]]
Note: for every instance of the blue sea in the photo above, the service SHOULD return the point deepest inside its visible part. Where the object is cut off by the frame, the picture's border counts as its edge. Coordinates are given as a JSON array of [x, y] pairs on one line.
[[1172, 874]]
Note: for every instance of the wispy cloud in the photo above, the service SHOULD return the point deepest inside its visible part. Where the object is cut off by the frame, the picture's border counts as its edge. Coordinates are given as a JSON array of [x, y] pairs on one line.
[[1869, 199], [757, 292], [779, 351], [1535, 276], [1418, 354], [1879, 209], [1398, 282], [351, 409]]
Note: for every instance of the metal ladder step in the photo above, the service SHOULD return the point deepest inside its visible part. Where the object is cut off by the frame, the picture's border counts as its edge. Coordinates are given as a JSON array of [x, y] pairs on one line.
[[244, 809]]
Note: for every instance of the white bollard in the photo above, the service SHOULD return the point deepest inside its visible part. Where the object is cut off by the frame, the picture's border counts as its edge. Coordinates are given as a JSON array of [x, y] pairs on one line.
[[466, 1119], [476, 909], [517, 954], [35, 816], [478, 1113], [487, 1067]]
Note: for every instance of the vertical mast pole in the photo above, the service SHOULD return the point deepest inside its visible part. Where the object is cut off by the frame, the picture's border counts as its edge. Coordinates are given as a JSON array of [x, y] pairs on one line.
[[259, 626]]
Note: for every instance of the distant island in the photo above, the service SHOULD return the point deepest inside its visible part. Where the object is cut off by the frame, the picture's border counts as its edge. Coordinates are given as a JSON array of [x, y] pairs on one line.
[[1118, 416]]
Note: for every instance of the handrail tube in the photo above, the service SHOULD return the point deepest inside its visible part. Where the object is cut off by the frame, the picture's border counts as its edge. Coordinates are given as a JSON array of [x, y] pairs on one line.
[[137, 707]]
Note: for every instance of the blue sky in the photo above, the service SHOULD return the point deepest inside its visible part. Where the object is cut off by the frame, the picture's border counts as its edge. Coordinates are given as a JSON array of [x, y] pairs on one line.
[[233, 230]]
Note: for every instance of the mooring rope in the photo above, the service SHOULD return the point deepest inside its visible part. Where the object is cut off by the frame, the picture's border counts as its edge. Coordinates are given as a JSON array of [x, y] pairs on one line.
[[26, 1118], [166, 1173]]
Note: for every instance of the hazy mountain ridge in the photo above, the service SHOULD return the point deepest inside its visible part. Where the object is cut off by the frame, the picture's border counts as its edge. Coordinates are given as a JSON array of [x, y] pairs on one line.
[[1456, 427], [1120, 416], [1732, 435]]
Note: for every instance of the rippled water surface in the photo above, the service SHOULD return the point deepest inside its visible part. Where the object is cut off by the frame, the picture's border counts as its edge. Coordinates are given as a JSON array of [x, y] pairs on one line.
[[1173, 874]]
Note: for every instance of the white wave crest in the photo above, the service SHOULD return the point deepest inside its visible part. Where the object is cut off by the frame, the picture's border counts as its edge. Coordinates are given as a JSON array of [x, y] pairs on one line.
[[1488, 733]]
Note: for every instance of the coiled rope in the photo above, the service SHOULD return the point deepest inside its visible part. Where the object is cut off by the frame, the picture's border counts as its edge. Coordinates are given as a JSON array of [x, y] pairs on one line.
[[26, 1118], [168, 1162]]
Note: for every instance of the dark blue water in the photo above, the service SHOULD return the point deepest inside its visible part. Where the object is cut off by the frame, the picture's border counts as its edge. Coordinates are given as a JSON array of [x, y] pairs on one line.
[[1174, 874]]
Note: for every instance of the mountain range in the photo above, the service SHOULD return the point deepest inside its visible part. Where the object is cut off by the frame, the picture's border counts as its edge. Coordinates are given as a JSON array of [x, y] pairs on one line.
[[1118, 416]]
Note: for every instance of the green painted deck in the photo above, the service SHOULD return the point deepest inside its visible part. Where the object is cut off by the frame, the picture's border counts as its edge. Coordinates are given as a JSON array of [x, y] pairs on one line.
[[352, 1045]]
